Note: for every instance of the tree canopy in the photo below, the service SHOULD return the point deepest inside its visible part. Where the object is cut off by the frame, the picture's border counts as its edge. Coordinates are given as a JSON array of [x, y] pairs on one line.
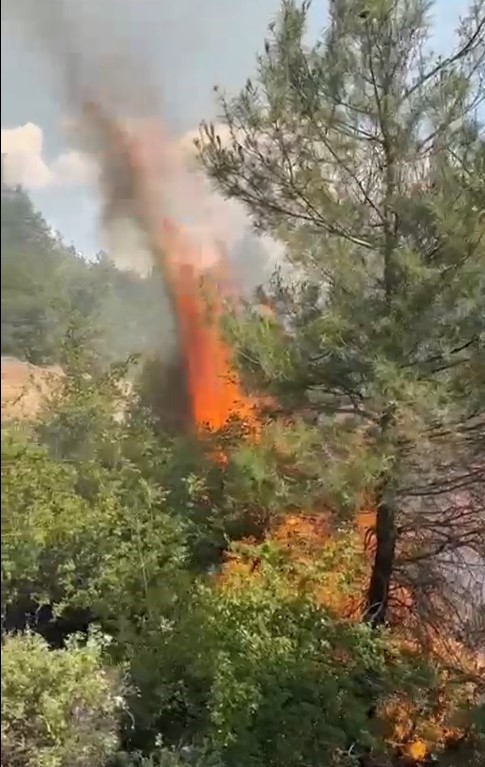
[[365, 154], [45, 285]]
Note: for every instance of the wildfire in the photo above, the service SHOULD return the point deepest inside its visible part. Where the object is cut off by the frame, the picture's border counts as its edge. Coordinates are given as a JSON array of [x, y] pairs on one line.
[[136, 159], [214, 389]]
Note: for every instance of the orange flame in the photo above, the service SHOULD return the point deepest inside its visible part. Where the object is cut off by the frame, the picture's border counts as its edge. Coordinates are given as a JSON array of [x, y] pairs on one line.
[[138, 165], [214, 389]]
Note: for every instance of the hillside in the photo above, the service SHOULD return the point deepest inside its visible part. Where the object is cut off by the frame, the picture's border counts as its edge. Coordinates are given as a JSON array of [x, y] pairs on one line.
[[46, 287], [23, 386]]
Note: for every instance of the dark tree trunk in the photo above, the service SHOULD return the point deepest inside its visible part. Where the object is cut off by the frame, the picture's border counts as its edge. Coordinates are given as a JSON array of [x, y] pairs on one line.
[[379, 585]]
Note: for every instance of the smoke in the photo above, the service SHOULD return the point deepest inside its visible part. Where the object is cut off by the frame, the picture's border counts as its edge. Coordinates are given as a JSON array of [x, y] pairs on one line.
[[98, 52], [91, 51]]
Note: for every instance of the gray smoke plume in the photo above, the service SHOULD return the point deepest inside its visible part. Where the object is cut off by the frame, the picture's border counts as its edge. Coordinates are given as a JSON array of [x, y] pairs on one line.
[[98, 52]]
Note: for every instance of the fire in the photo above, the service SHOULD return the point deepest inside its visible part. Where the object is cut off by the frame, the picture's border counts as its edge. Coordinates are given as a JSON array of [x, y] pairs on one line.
[[190, 256], [139, 164], [214, 389]]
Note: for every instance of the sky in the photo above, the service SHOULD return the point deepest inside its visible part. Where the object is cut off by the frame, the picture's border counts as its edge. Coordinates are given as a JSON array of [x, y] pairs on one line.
[[186, 45]]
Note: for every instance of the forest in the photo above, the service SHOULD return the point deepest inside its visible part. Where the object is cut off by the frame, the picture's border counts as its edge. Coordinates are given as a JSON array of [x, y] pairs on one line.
[[262, 544]]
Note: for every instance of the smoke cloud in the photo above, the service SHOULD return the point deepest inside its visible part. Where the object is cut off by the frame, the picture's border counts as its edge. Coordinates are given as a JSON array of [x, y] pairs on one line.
[[97, 52]]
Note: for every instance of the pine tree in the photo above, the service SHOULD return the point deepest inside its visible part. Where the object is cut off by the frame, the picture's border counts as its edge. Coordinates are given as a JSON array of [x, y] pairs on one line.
[[365, 154]]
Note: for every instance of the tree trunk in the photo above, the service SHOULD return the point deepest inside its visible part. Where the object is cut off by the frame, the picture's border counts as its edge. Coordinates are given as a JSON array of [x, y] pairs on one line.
[[379, 585]]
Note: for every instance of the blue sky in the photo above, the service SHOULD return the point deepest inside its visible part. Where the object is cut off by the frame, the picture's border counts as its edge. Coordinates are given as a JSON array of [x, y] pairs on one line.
[[188, 44]]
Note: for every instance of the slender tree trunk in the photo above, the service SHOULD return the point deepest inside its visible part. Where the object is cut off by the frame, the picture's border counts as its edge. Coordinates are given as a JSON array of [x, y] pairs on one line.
[[386, 537], [380, 581]]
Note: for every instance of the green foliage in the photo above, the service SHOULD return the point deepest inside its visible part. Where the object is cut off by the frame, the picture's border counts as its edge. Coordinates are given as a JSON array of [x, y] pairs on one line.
[[31, 279], [288, 682], [102, 517], [333, 204], [86, 536], [280, 696], [167, 757], [45, 284], [364, 154], [59, 708]]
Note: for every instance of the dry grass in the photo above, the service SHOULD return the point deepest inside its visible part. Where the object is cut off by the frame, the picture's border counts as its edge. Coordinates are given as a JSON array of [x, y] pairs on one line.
[[23, 388]]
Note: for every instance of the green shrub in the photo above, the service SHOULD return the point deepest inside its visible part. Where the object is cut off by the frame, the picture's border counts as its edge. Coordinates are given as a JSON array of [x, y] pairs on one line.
[[60, 708], [85, 536], [170, 757], [290, 682], [264, 676]]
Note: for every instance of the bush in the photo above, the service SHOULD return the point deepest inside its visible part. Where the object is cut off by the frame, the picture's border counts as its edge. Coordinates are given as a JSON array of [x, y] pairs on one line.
[[290, 681], [60, 708], [84, 536], [170, 757], [257, 670]]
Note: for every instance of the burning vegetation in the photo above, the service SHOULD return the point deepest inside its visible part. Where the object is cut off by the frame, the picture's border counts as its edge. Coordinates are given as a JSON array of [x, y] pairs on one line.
[[195, 269], [272, 563], [317, 554]]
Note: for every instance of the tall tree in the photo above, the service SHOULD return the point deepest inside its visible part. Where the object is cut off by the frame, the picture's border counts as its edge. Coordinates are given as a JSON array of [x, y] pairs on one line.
[[365, 154]]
